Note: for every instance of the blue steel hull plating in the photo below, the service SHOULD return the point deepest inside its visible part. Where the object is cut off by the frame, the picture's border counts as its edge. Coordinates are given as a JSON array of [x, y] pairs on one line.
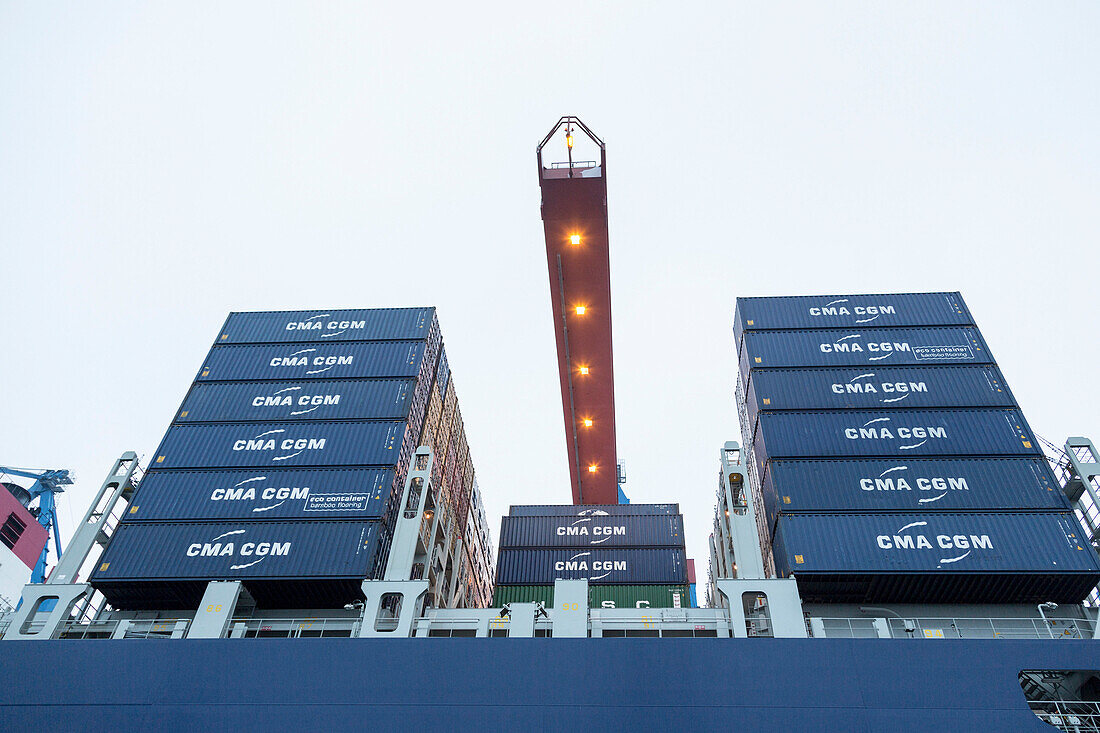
[[850, 685]]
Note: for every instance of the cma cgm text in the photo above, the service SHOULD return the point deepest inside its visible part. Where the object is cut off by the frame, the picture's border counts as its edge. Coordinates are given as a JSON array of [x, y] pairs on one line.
[[288, 444], [269, 494], [585, 531], [301, 401], [859, 310], [297, 361], [888, 434], [219, 549], [884, 347], [943, 541], [886, 387], [595, 565], [322, 326], [937, 483]]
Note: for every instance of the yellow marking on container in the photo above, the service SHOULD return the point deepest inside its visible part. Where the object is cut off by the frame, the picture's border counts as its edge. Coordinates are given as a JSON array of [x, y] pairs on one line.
[[225, 336], [205, 372], [749, 322], [767, 400], [798, 559], [183, 414], [786, 500], [160, 459], [933, 633], [758, 359], [133, 510], [1027, 443], [103, 566]]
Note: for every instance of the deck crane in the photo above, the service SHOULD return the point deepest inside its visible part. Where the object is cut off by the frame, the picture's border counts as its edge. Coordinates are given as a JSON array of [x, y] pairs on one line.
[[574, 216], [46, 485]]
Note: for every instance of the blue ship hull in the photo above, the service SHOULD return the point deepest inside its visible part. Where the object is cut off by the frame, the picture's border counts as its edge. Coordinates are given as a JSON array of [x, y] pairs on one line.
[[534, 684]]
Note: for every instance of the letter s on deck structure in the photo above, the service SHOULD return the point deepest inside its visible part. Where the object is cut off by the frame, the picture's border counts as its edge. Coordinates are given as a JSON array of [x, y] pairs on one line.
[[574, 216]]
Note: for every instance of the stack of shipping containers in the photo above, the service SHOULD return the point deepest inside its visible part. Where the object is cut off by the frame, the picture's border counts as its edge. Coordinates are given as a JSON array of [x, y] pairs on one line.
[[478, 566], [285, 461], [891, 459], [632, 555]]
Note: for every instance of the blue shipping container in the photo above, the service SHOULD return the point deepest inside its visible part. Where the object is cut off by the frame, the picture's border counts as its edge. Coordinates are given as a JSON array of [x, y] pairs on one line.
[[590, 510], [653, 530], [911, 484], [876, 387], [870, 347], [897, 434], [374, 324], [936, 557], [318, 493], [599, 566], [281, 445], [313, 361], [370, 399], [888, 310], [226, 551]]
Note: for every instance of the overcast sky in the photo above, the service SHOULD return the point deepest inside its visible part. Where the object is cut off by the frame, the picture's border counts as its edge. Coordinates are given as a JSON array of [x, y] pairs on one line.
[[164, 164]]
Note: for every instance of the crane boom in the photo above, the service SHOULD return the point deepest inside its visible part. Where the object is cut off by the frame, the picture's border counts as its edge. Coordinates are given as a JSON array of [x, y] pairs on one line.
[[574, 216], [46, 485]]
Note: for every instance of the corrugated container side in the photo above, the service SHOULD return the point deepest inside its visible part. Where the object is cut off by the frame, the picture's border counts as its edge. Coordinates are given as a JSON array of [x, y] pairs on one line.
[[648, 566], [281, 445], [219, 551], [371, 399], [447, 425], [573, 510], [931, 558], [443, 373], [599, 596], [320, 493], [314, 361], [895, 434], [418, 412], [869, 388], [862, 347], [431, 421], [885, 310], [912, 484], [327, 325], [593, 531]]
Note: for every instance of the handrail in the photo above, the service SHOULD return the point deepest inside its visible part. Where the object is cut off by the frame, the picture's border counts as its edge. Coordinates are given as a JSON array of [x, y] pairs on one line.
[[974, 627]]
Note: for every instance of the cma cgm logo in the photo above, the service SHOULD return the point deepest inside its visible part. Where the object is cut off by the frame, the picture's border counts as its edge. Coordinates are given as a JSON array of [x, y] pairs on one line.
[[309, 358], [585, 527], [603, 533], [851, 344], [229, 544], [289, 447], [880, 429], [334, 328], [942, 542], [864, 384], [864, 313], [249, 490], [582, 563], [892, 480], [293, 397]]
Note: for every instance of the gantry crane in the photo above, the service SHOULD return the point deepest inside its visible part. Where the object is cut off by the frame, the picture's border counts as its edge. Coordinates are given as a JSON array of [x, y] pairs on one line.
[[46, 485], [574, 216]]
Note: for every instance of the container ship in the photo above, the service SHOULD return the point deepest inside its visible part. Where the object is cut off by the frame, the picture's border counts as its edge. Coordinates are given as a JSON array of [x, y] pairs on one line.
[[893, 547]]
